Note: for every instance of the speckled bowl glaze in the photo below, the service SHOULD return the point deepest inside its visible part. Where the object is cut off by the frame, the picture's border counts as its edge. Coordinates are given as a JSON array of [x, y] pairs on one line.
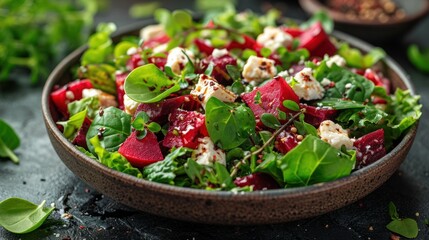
[[260, 207], [374, 31]]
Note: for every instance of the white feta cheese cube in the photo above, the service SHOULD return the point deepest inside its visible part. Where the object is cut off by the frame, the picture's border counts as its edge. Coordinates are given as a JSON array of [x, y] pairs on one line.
[[274, 38], [152, 31], [177, 59], [218, 53], [337, 59], [325, 82], [334, 134], [259, 69], [91, 92], [105, 99], [208, 87], [130, 106], [306, 86], [207, 154]]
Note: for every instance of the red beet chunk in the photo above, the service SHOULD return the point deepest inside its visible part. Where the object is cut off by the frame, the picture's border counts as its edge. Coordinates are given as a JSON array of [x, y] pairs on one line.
[[158, 112], [219, 67], [317, 41], [370, 148], [154, 42], [141, 152], [259, 181], [185, 128], [316, 115], [137, 61], [69, 93], [120, 79], [294, 32], [286, 141], [80, 138], [203, 46], [249, 43], [272, 94]]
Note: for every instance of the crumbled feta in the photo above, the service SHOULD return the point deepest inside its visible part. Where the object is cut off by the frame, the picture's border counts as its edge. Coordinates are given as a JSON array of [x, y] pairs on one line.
[[177, 59], [306, 86], [337, 59], [90, 92], [105, 99], [334, 134], [152, 31], [130, 106], [208, 87], [70, 95], [274, 38], [348, 85], [283, 74], [207, 154], [325, 82], [218, 53], [162, 48], [258, 69], [131, 51]]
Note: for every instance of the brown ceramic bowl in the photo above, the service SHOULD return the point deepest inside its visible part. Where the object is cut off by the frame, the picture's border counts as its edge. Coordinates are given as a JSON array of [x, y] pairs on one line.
[[260, 207], [374, 31]]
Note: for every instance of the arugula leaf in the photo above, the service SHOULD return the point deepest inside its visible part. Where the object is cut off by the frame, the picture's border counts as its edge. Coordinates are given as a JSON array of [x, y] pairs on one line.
[[112, 126], [322, 17], [148, 84], [229, 126], [9, 141], [165, 171], [72, 126], [21, 216], [358, 88], [102, 76], [91, 104], [314, 161], [113, 160], [355, 58], [406, 227]]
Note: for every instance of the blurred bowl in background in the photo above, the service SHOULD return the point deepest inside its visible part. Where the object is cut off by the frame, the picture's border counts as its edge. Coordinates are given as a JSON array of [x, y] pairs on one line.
[[373, 30]]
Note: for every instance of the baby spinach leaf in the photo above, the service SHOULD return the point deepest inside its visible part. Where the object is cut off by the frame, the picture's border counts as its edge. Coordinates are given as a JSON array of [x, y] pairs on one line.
[[165, 171], [347, 84], [113, 160], [314, 161], [406, 227], [102, 76], [112, 126], [9, 141], [72, 126], [355, 58], [92, 104], [305, 128], [228, 125], [21, 216], [149, 84], [269, 120]]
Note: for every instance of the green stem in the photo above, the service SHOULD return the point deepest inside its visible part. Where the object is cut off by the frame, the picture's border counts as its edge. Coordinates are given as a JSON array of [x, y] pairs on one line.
[[8, 152]]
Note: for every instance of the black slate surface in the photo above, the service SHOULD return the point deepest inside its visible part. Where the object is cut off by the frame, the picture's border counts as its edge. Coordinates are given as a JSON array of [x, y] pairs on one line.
[[41, 174]]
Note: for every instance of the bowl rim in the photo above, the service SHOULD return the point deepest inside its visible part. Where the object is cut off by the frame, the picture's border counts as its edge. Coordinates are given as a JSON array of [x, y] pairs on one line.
[[143, 184], [312, 6]]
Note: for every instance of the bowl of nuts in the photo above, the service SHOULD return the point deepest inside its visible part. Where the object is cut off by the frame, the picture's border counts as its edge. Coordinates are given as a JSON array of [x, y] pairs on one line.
[[371, 20]]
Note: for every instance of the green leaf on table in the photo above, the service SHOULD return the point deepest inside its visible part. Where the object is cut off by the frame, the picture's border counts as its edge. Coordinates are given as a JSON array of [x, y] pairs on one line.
[[322, 17], [406, 227], [229, 126], [314, 161], [112, 126], [355, 58], [72, 126], [113, 160], [347, 84], [148, 84], [21, 216], [419, 58], [9, 141]]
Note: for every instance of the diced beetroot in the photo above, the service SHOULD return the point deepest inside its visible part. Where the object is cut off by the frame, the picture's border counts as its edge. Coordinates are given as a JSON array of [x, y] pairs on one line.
[[185, 127], [120, 79], [316, 115], [259, 181], [286, 141], [69, 93], [249, 43], [377, 79], [156, 41], [158, 61], [317, 41], [272, 94], [158, 112], [80, 138], [203, 46], [135, 61], [141, 152], [294, 32], [219, 67], [370, 148]]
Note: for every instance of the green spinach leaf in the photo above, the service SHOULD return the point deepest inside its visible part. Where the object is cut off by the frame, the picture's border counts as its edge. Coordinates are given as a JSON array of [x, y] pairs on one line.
[[72, 126], [270, 166], [112, 126], [406, 227], [9, 141], [21, 216], [314, 161], [113, 160], [92, 104], [229, 126], [149, 84]]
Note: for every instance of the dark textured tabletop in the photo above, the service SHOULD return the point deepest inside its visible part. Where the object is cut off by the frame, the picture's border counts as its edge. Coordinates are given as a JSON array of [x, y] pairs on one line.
[[42, 176]]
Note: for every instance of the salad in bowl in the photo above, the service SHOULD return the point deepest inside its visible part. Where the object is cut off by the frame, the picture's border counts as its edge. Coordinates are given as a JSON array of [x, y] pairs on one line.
[[233, 102]]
